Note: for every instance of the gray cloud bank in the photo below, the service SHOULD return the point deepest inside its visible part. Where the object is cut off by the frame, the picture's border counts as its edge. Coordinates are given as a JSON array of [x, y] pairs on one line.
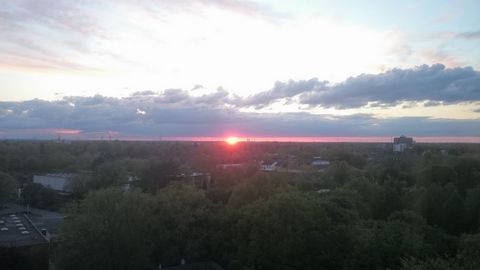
[[430, 85], [176, 112], [434, 84], [101, 114]]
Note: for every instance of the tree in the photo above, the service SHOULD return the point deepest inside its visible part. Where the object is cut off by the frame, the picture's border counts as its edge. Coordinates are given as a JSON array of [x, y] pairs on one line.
[[429, 203], [182, 218], [80, 185], [453, 214], [387, 242], [340, 173], [7, 188], [42, 197], [467, 258], [468, 171], [294, 230], [438, 174], [472, 208], [108, 174], [159, 174], [368, 194], [109, 230], [259, 186]]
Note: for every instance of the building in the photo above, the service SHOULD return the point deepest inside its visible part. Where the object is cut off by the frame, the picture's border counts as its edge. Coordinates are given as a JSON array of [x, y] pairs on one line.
[[231, 165], [60, 182], [132, 181], [17, 230], [268, 166], [35, 221], [402, 143], [320, 163], [323, 190], [25, 235]]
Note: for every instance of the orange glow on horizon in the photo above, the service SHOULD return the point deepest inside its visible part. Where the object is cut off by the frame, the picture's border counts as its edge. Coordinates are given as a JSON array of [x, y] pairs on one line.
[[231, 140]]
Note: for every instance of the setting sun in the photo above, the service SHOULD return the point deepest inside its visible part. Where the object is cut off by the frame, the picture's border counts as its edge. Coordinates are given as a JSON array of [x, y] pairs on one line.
[[231, 140]]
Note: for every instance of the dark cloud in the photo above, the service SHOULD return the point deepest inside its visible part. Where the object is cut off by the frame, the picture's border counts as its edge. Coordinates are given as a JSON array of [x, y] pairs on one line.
[[219, 98], [433, 83], [284, 90], [191, 117], [173, 96], [178, 96]]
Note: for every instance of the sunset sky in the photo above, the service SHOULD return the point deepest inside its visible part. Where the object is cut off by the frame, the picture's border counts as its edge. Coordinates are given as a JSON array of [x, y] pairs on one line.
[[149, 69]]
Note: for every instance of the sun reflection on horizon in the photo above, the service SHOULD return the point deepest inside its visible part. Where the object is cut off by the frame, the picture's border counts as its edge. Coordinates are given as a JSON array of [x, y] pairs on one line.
[[231, 140]]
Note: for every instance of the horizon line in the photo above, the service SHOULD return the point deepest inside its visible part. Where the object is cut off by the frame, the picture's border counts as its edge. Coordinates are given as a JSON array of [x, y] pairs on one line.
[[253, 139]]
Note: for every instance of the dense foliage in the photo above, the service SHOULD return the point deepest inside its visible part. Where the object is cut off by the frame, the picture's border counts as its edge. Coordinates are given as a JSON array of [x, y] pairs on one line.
[[375, 209]]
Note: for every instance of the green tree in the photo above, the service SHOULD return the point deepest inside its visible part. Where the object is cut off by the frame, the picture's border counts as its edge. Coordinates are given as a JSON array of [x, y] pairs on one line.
[[472, 208], [429, 203], [340, 173], [159, 174], [468, 171], [453, 213], [387, 242], [182, 218], [259, 186], [109, 230], [7, 188], [108, 174], [467, 258], [294, 230], [42, 197], [438, 174]]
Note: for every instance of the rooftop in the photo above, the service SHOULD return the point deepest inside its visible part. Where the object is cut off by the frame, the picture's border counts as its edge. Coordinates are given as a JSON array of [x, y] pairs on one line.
[[61, 175], [41, 219], [17, 230]]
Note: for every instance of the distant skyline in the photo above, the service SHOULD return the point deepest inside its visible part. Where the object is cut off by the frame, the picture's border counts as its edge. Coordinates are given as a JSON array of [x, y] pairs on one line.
[[243, 68]]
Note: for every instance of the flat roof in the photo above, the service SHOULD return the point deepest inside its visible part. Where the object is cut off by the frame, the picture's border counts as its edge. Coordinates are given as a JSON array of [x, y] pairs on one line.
[[13, 237], [39, 218]]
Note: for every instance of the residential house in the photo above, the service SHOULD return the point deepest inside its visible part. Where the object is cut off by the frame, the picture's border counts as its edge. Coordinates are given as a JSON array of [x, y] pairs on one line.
[[268, 166]]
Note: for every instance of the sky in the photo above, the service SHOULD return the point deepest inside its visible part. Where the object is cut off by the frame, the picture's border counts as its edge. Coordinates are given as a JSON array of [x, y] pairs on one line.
[[273, 68]]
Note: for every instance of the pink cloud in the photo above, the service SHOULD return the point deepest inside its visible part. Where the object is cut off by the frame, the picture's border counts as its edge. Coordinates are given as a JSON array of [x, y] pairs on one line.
[[65, 131]]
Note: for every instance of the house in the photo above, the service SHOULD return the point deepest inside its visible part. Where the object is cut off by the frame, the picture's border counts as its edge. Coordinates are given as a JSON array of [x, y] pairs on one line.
[[323, 190], [60, 182], [402, 143], [268, 166], [132, 181], [231, 165], [320, 163]]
